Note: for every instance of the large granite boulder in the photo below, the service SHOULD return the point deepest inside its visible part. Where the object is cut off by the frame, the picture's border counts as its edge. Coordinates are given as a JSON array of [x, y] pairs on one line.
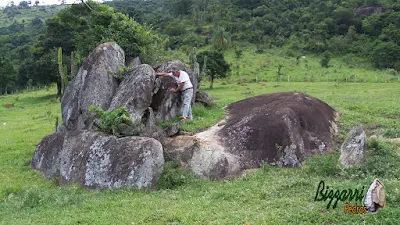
[[135, 62], [136, 91], [203, 154], [280, 129], [93, 85], [97, 160], [166, 104], [150, 127]]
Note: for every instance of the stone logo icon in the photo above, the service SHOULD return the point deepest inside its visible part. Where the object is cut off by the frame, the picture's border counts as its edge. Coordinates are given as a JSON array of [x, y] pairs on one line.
[[375, 197]]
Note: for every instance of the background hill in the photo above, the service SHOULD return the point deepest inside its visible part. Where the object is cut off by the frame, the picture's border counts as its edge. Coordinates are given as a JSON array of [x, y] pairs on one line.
[[26, 14], [361, 34]]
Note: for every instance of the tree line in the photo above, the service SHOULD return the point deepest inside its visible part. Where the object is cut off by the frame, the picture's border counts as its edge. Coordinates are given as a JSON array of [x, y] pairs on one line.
[[366, 28]]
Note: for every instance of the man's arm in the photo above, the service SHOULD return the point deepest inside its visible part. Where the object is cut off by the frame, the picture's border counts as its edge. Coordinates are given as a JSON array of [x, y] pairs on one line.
[[162, 74], [180, 86]]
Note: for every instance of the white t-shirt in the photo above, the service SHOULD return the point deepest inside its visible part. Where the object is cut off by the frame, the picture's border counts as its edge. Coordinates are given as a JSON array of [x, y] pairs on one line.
[[183, 78]]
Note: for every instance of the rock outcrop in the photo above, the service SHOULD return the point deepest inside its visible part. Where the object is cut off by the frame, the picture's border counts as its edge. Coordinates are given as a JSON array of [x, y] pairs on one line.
[[77, 152], [281, 129], [150, 127], [353, 148], [166, 104], [204, 154], [204, 99], [370, 10], [136, 91], [97, 160], [93, 85], [174, 128], [135, 62]]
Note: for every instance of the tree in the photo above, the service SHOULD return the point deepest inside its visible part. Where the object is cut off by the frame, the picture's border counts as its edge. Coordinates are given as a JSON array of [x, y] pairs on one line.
[[23, 4], [8, 76], [248, 4], [179, 7], [391, 33], [326, 57], [80, 29], [385, 55], [221, 39], [89, 28], [217, 67], [36, 22]]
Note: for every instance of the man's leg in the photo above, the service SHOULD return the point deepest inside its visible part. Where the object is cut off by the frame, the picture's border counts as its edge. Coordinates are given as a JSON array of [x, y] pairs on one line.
[[190, 116], [187, 100], [190, 112]]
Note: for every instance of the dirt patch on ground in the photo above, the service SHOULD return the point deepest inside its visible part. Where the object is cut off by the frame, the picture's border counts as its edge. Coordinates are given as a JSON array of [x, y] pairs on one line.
[[395, 140]]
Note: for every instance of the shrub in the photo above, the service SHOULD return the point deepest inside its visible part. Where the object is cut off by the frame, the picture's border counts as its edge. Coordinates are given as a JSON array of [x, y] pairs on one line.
[[385, 55], [172, 177], [120, 75], [116, 122], [326, 57]]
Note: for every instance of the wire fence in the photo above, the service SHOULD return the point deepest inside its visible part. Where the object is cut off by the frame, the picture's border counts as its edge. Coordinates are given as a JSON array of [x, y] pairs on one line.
[[354, 78]]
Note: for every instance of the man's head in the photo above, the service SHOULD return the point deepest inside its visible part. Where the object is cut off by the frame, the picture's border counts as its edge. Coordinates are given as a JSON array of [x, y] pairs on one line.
[[175, 73]]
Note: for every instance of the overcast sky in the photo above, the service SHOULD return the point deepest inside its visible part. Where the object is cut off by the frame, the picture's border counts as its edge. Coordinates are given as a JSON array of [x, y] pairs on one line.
[[42, 2]]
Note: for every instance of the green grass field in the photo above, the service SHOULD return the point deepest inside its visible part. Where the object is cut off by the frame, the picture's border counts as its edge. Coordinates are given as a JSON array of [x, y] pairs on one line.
[[269, 195], [263, 67]]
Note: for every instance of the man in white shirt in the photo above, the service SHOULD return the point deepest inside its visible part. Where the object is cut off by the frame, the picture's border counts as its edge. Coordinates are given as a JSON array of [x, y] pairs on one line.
[[185, 86]]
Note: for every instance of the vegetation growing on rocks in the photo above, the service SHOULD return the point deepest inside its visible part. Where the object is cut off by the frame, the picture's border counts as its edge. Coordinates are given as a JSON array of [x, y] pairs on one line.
[[115, 122]]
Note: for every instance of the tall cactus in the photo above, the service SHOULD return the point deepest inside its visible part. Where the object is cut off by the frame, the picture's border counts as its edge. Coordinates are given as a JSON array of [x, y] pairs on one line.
[[73, 65], [62, 70], [195, 66], [193, 58], [203, 71]]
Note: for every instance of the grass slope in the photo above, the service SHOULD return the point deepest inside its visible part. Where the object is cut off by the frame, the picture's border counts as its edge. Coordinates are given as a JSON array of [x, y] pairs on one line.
[[28, 14], [266, 196], [264, 67]]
